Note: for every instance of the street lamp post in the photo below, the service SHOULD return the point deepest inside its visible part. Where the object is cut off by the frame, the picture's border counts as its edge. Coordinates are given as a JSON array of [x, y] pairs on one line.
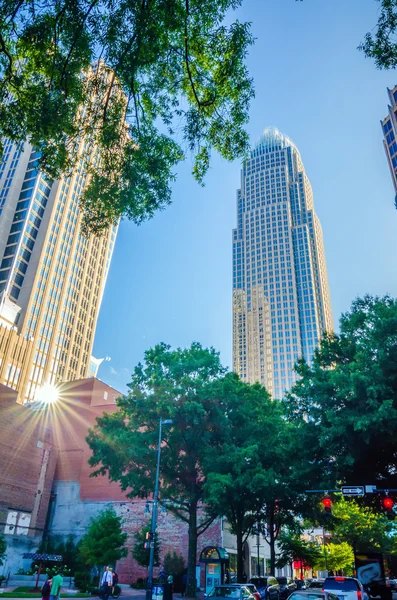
[[154, 513]]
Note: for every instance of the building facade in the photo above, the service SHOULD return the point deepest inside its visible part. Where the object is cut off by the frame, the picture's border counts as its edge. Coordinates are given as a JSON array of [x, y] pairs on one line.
[[389, 128], [281, 301], [52, 278]]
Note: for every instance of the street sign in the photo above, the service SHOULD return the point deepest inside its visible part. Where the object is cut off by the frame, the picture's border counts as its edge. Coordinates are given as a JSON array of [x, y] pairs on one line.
[[348, 490]]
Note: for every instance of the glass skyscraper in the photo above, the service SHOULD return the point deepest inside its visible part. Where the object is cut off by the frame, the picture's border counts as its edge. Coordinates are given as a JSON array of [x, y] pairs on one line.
[[281, 301], [52, 278], [389, 128]]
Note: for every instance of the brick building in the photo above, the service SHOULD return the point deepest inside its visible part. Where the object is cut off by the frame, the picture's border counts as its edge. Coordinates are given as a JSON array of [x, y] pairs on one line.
[[28, 457], [49, 477]]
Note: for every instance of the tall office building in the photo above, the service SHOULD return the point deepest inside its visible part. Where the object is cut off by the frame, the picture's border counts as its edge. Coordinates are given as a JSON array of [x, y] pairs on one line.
[[281, 302], [52, 278], [389, 128]]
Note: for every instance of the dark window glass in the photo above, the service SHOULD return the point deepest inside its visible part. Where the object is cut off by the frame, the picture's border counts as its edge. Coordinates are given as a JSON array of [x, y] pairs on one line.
[[22, 205], [32, 230], [35, 220], [10, 250], [16, 227], [29, 243], [28, 184], [26, 194], [12, 239], [4, 275], [18, 279], [346, 585], [15, 292], [2, 286], [6, 262], [25, 254], [21, 266], [20, 216]]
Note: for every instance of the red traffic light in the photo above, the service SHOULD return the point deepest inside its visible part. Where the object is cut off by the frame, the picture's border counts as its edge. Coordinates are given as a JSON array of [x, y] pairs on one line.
[[327, 502], [388, 503]]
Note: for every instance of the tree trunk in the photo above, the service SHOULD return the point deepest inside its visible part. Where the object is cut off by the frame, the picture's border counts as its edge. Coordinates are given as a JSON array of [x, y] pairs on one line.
[[272, 543], [191, 586], [240, 556]]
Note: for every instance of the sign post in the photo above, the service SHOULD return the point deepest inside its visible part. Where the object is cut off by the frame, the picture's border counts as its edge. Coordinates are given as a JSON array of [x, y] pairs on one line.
[[352, 490]]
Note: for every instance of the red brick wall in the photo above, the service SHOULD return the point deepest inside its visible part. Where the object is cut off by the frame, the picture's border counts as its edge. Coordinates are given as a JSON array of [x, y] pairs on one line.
[[24, 441], [80, 403], [173, 535]]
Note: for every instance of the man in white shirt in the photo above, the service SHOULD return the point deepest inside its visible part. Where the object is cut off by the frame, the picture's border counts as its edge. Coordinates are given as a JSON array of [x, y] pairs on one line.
[[106, 583]]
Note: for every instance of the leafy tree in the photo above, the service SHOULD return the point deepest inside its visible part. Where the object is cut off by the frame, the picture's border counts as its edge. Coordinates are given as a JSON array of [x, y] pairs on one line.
[[293, 547], [140, 553], [241, 471], [345, 403], [260, 470], [174, 563], [64, 547], [3, 549], [104, 542], [339, 557], [174, 72], [184, 385], [381, 45], [361, 527]]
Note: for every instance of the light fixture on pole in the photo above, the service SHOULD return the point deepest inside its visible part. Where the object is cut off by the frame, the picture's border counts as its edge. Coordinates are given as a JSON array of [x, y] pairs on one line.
[[154, 512]]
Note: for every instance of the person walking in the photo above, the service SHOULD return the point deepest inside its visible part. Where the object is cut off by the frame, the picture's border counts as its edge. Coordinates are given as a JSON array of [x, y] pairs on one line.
[[46, 589], [106, 583], [56, 585]]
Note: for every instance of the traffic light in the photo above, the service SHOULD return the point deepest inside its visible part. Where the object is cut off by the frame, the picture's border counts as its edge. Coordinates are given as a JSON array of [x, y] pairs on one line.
[[327, 504], [146, 545], [388, 505]]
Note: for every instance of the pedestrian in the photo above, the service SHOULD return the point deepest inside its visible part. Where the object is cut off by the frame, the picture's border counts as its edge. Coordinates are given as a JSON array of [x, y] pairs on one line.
[[184, 583], [106, 583], [115, 579], [46, 589], [56, 585]]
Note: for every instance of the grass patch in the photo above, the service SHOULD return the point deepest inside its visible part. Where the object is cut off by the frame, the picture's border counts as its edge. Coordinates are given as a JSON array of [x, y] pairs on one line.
[[23, 592]]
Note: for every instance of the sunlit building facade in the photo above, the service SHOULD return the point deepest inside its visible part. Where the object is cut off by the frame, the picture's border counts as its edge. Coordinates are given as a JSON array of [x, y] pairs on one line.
[[281, 301], [52, 278], [389, 128]]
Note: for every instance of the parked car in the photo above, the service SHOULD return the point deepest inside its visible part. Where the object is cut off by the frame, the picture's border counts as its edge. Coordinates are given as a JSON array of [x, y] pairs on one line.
[[237, 591], [287, 586], [393, 584], [346, 588], [314, 594], [315, 584], [268, 587], [253, 590], [300, 584]]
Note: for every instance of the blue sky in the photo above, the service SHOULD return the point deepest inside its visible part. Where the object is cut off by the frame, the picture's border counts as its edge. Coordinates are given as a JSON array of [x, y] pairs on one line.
[[171, 278]]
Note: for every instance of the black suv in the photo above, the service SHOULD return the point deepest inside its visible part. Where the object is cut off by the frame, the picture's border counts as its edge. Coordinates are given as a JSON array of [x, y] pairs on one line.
[[268, 587]]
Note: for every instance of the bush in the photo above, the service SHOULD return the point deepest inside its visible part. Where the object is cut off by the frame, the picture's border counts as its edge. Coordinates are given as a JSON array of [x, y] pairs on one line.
[[139, 584], [82, 581], [174, 563]]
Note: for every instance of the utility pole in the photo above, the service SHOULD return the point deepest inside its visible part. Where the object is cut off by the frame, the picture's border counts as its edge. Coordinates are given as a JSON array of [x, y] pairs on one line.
[[154, 513]]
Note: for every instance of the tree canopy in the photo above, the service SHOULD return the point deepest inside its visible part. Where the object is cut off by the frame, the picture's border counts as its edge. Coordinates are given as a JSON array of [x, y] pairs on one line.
[[142, 554], [293, 547], [241, 469], [3, 549], [362, 527], [338, 557], [104, 542], [184, 385], [345, 402], [381, 44], [174, 73]]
